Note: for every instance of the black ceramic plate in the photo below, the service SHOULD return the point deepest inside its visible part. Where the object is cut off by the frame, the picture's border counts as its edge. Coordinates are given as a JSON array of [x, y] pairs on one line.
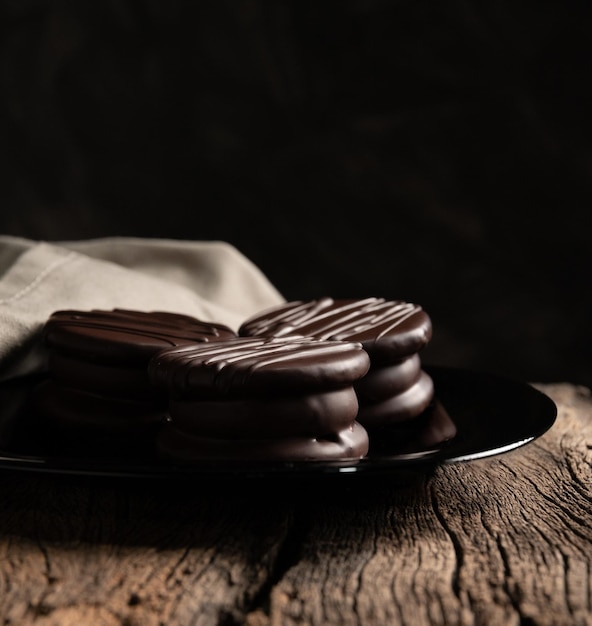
[[489, 414]]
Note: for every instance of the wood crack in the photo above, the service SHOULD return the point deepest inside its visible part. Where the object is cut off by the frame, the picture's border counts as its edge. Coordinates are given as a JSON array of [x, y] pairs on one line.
[[454, 540], [287, 556]]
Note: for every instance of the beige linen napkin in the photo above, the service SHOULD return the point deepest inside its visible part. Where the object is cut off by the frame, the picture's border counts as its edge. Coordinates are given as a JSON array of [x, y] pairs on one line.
[[210, 280]]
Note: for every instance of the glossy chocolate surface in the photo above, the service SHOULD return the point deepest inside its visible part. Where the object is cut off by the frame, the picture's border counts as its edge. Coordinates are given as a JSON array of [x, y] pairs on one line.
[[180, 448], [77, 412], [124, 335], [106, 379], [267, 417], [98, 359], [400, 407], [388, 329], [261, 365], [386, 381]]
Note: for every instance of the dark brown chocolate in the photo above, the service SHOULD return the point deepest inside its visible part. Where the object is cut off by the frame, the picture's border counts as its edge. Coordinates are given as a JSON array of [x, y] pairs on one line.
[[98, 360], [183, 448], [385, 381], [126, 336], [252, 365], [112, 380], [268, 416], [388, 329], [399, 407], [391, 331], [78, 413], [262, 398]]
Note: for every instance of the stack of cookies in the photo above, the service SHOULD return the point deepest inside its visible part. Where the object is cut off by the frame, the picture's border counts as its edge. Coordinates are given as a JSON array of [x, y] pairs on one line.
[[97, 360], [308, 380], [396, 388], [262, 399]]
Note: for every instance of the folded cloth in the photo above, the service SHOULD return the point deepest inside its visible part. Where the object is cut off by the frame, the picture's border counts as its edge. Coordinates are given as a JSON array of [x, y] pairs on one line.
[[210, 280]]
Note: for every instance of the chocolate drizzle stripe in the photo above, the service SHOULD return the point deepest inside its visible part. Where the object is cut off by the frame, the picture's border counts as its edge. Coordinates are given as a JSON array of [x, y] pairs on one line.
[[284, 322], [303, 313], [234, 362], [151, 331], [231, 353], [358, 322], [192, 352], [339, 322], [228, 375]]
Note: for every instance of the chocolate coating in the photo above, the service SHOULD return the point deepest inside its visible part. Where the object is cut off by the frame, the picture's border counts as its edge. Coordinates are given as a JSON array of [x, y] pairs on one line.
[[261, 398], [257, 365], [124, 335], [400, 407], [386, 381], [100, 378], [182, 448], [74, 411], [388, 329], [267, 417], [98, 366]]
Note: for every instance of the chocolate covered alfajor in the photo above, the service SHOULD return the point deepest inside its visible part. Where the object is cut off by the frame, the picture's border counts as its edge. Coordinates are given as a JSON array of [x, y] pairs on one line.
[[97, 364], [392, 332], [264, 399]]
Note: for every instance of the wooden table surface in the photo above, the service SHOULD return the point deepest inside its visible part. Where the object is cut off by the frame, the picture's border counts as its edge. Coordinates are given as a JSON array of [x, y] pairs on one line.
[[504, 540]]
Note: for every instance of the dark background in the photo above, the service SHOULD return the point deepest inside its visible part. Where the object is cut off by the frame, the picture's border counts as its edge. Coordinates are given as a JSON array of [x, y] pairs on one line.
[[434, 152]]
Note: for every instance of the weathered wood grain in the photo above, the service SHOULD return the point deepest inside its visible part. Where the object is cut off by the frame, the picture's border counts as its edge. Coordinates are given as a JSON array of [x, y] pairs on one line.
[[505, 540], [98, 553]]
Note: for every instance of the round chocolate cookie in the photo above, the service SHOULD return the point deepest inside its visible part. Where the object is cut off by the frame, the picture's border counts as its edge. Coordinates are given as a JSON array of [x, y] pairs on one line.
[[388, 329], [125, 336], [391, 331], [261, 398], [97, 362], [107, 352]]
